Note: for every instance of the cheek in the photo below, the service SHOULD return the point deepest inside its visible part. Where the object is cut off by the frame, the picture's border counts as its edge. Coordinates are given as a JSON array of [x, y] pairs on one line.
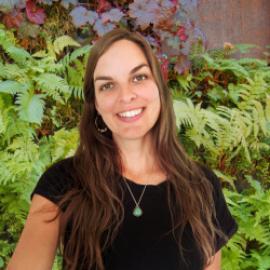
[[151, 93], [104, 105]]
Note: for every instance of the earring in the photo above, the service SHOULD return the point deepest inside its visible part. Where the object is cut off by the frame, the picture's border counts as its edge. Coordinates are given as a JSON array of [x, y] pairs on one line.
[[101, 130]]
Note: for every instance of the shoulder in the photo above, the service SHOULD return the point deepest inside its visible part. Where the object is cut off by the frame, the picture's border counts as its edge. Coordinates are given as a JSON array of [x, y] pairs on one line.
[[63, 166], [223, 217], [60, 173], [211, 177], [57, 179]]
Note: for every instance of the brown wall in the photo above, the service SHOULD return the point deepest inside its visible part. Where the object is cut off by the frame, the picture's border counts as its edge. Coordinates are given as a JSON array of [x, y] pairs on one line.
[[235, 21]]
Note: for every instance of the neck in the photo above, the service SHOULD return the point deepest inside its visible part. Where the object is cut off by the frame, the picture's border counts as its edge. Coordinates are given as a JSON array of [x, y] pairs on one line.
[[138, 157]]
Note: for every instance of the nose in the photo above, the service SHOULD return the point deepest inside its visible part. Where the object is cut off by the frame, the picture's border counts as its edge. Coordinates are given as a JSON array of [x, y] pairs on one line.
[[127, 94]]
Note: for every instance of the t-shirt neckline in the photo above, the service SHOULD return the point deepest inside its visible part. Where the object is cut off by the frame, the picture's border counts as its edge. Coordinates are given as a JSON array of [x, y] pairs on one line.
[[140, 185]]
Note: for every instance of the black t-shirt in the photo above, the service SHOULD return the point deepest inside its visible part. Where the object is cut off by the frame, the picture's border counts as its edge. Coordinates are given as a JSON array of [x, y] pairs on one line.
[[143, 242]]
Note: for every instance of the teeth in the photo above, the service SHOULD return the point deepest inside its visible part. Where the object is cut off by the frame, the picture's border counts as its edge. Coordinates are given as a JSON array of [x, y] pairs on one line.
[[131, 113]]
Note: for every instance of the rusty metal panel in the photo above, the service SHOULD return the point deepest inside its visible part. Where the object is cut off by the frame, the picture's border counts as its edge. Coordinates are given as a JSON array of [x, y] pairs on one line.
[[235, 21]]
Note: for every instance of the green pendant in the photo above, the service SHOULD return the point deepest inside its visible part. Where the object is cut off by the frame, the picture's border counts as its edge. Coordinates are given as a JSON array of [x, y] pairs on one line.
[[137, 212]]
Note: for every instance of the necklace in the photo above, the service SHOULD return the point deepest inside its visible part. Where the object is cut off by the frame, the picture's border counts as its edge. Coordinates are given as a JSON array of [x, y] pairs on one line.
[[137, 211]]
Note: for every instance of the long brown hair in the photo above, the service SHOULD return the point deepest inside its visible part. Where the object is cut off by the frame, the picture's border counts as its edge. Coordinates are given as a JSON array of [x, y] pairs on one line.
[[94, 205]]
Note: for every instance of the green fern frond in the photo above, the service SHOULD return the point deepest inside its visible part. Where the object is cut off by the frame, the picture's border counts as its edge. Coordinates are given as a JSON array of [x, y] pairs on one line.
[[83, 51], [80, 52], [245, 48], [267, 110], [50, 49], [6, 34], [217, 53], [50, 83], [40, 54], [252, 62], [2, 123], [76, 91], [19, 55], [64, 41], [75, 81], [12, 87], [31, 107], [65, 143], [259, 119], [14, 126], [12, 72], [195, 119], [234, 253], [6, 174], [233, 66]]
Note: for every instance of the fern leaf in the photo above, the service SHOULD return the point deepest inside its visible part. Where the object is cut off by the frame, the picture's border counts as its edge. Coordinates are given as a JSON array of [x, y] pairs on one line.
[[69, 58], [12, 72], [12, 87], [49, 82], [40, 54], [261, 120], [77, 91], [252, 62], [245, 48], [19, 55], [61, 42], [267, 110], [30, 107], [2, 124], [65, 144], [263, 261], [83, 51]]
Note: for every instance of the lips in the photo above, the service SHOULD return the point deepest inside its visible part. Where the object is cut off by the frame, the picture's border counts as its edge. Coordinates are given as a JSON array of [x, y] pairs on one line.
[[131, 115]]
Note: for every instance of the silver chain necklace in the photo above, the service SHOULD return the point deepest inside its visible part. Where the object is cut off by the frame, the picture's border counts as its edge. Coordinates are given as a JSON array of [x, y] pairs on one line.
[[137, 211]]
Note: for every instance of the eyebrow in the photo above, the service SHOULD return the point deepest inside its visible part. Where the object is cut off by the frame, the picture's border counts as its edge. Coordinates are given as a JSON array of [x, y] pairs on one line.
[[108, 78]]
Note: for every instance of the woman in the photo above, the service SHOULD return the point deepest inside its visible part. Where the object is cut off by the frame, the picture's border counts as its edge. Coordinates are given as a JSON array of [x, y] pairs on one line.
[[130, 198]]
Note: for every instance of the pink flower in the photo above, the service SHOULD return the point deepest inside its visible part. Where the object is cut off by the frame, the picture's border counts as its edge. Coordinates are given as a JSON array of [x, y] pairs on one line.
[[35, 14], [103, 5], [181, 33]]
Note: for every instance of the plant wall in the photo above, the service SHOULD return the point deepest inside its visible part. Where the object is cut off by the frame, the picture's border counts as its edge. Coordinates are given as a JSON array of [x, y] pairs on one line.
[[222, 106]]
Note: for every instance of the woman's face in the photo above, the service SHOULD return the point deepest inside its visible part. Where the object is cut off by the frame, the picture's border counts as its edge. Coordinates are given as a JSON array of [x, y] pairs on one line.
[[127, 96]]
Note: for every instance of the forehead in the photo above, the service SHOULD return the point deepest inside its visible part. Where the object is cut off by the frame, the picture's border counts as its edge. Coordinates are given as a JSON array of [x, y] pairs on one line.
[[121, 56]]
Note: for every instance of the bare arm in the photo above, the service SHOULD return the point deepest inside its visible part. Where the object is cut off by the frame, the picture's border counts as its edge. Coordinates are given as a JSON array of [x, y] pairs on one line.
[[38, 242], [216, 262]]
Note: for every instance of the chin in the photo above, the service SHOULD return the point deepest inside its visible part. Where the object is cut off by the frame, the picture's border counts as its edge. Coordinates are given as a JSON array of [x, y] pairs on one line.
[[131, 135]]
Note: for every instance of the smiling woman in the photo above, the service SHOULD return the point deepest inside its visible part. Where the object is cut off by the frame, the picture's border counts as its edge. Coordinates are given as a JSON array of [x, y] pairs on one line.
[[127, 96], [130, 197]]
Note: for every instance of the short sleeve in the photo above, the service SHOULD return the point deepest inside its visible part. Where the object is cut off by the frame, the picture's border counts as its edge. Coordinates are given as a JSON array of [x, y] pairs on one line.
[[55, 181], [225, 222]]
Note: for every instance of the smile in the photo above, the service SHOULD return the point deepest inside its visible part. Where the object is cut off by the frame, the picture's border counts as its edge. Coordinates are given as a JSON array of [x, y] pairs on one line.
[[130, 114]]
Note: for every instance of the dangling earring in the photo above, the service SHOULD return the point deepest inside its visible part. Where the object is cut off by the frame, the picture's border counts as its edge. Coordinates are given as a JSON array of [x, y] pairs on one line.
[[101, 130]]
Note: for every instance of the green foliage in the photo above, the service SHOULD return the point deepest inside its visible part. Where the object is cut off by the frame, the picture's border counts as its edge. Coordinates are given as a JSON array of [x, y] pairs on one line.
[[34, 92], [222, 108], [222, 112], [250, 249], [32, 79]]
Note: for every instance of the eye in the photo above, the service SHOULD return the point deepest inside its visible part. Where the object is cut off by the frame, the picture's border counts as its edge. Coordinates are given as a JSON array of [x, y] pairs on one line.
[[140, 77], [106, 86]]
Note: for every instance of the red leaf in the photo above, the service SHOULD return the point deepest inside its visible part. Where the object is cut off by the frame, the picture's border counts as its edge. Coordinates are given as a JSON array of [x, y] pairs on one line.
[[181, 33], [35, 14], [165, 68], [103, 5], [13, 19]]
